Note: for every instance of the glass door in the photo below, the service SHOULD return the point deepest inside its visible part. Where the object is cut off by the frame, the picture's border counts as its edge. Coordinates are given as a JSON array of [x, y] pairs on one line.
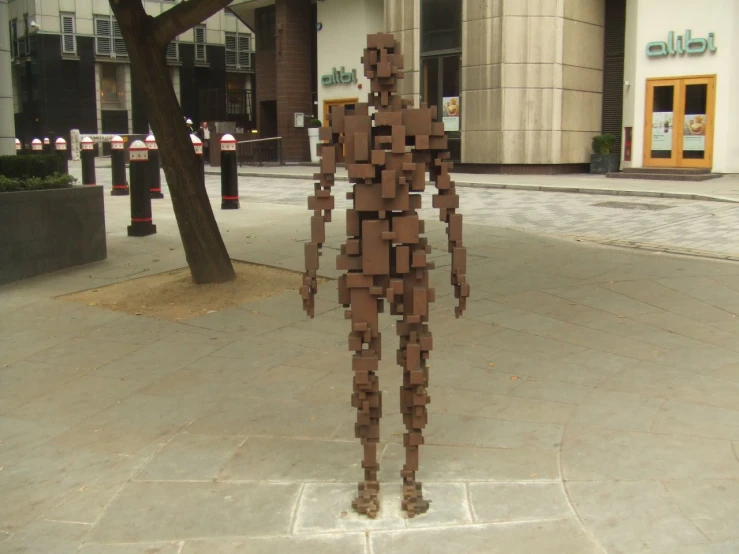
[[440, 87], [659, 130], [678, 130], [697, 136]]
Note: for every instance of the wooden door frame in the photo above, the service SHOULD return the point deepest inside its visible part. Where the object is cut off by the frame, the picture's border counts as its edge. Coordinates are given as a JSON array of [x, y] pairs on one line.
[[328, 102], [678, 110], [651, 84]]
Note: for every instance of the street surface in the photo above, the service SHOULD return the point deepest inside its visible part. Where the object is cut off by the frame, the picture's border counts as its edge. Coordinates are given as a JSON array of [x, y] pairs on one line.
[[586, 403]]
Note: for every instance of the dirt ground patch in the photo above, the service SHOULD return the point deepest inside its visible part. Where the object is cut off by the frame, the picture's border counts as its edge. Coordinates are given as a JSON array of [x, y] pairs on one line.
[[173, 295]]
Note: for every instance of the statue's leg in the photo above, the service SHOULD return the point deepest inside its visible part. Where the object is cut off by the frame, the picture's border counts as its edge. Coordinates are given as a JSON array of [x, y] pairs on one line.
[[415, 346], [364, 340]]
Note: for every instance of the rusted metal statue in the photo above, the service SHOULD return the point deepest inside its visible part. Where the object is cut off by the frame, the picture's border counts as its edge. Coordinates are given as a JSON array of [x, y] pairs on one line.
[[387, 155]]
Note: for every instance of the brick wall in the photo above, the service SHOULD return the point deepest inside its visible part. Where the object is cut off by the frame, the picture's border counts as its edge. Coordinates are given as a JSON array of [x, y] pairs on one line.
[[293, 22]]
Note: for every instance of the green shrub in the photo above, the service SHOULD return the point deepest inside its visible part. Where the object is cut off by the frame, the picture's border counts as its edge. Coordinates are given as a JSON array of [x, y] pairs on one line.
[[54, 181], [29, 165], [314, 122], [603, 144]]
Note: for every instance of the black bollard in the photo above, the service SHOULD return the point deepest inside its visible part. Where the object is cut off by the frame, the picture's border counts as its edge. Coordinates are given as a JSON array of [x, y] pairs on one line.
[[37, 146], [155, 176], [229, 174], [118, 167], [18, 147], [60, 145], [47, 145], [87, 155], [141, 224], [197, 144]]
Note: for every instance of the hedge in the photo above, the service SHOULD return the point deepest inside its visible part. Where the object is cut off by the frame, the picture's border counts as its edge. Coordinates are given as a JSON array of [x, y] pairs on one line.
[[54, 181], [33, 165]]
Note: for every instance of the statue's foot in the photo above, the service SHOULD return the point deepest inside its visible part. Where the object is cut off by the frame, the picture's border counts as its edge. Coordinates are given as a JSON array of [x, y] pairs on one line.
[[367, 501], [413, 502]]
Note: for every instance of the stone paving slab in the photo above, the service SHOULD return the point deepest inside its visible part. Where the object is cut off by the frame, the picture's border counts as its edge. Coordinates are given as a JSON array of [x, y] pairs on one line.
[[586, 403]]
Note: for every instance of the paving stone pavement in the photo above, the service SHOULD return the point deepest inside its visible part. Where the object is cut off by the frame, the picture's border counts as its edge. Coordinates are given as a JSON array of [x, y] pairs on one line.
[[586, 403]]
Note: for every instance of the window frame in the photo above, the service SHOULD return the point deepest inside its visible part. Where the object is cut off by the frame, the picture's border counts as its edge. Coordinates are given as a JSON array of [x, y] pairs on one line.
[[200, 44], [240, 51], [64, 35], [176, 43], [117, 47]]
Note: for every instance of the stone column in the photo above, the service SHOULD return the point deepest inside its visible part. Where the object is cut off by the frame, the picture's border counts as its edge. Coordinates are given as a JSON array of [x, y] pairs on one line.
[[7, 114], [293, 52]]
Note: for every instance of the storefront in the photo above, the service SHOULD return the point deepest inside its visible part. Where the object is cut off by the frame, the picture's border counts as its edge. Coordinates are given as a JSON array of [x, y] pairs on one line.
[[519, 85], [342, 29], [681, 82]]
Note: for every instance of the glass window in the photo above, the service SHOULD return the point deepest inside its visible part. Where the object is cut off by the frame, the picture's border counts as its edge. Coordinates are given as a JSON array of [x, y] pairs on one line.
[[441, 25], [111, 86], [694, 131], [662, 124]]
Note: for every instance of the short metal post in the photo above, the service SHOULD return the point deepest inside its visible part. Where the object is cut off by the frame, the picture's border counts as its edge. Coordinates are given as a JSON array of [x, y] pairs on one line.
[[37, 146], [47, 146], [18, 147], [197, 144], [118, 167], [155, 176], [141, 220], [60, 145], [229, 174], [87, 155]]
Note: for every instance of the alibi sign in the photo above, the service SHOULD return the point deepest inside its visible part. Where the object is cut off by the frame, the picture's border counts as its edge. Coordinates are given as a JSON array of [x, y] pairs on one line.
[[339, 76], [678, 45]]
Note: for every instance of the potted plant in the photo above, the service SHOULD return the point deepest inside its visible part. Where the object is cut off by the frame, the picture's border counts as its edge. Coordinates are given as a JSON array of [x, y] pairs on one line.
[[603, 160], [313, 126]]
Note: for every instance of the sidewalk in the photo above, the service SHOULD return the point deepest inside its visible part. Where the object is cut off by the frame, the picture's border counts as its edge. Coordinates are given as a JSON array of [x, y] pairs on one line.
[[587, 403], [724, 189]]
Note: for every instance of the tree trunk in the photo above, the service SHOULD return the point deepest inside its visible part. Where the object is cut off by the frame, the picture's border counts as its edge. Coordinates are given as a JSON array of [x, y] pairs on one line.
[[205, 251]]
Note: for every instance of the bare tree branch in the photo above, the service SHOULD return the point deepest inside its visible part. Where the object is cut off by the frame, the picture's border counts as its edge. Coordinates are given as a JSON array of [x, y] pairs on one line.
[[184, 16]]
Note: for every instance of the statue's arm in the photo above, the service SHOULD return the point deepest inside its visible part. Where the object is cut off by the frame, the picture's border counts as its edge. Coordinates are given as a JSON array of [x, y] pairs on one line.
[[321, 203], [447, 201]]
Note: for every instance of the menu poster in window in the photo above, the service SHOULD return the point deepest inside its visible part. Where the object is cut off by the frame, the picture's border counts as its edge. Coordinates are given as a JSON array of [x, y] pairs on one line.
[[694, 132], [451, 113], [662, 131]]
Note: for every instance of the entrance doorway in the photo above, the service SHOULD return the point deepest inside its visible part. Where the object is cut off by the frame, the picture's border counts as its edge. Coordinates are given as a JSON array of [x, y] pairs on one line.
[[349, 106], [678, 124]]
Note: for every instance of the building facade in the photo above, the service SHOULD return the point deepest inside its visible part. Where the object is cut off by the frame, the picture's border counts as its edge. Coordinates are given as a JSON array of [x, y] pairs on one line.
[[70, 69], [681, 78]]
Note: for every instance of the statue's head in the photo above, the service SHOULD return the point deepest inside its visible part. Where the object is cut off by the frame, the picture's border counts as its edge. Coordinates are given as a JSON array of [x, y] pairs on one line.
[[383, 66]]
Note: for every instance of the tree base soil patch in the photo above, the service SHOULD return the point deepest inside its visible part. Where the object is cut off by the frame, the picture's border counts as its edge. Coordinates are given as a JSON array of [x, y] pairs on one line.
[[174, 296]]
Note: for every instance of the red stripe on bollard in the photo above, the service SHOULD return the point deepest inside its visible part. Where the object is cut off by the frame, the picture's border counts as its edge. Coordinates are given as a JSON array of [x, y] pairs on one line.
[[140, 219], [230, 197]]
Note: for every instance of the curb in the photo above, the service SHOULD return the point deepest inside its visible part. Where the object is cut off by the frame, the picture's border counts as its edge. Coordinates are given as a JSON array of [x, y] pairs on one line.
[[522, 187]]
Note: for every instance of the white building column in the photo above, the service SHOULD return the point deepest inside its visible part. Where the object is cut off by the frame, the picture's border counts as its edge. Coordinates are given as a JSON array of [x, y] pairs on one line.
[[7, 115]]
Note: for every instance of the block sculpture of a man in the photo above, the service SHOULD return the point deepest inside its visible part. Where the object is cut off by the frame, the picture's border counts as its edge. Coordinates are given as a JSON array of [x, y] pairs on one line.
[[387, 155]]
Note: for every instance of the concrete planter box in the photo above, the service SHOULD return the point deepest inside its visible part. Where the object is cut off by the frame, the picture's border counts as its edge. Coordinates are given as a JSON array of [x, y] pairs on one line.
[[600, 164], [47, 230]]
